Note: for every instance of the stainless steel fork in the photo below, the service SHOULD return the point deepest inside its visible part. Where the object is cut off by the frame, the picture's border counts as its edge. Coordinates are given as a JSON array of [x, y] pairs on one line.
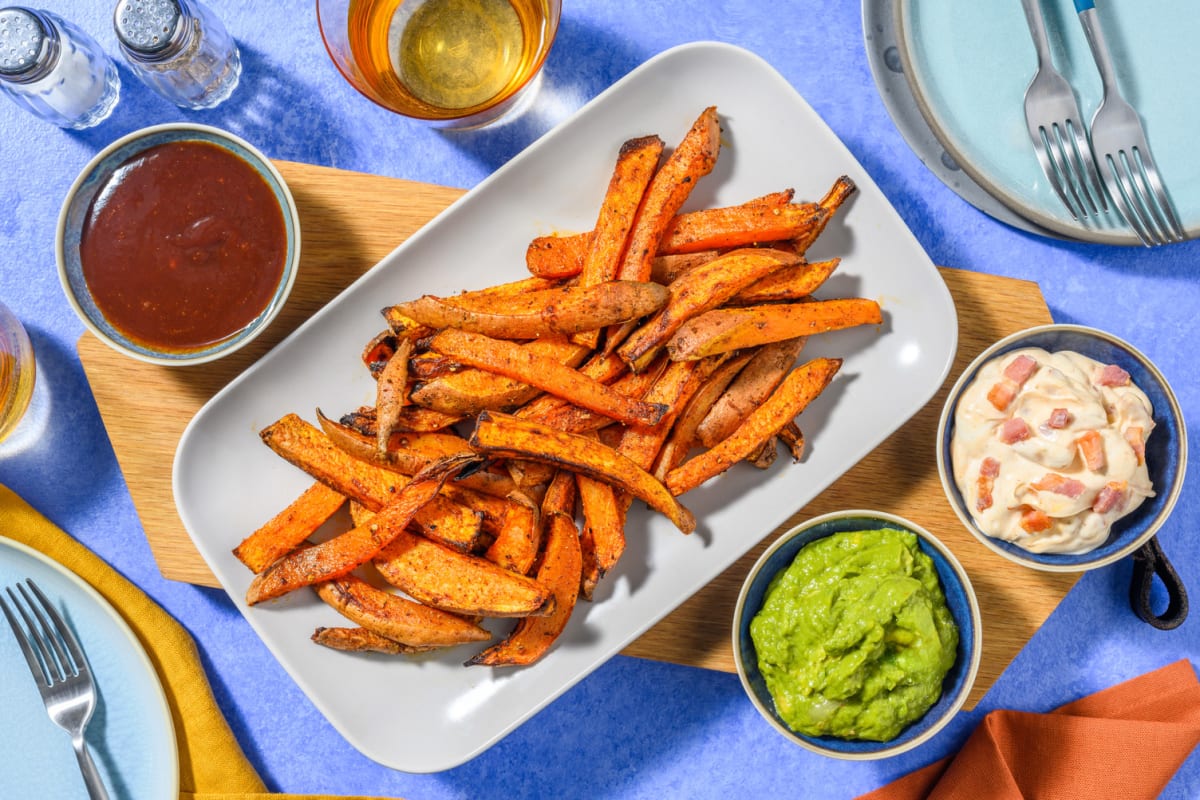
[[60, 670], [1056, 128], [1119, 142]]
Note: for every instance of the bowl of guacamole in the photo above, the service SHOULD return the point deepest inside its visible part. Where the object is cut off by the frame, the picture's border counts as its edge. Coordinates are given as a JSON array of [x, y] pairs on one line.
[[857, 635]]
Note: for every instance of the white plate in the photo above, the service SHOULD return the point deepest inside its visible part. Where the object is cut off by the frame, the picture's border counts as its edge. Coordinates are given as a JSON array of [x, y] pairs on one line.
[[969, 64], [131, 736], [227, 483]]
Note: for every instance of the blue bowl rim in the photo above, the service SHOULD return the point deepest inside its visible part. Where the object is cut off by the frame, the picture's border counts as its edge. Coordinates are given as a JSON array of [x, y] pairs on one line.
[[885, 749], [188, 131], [1053, 562]]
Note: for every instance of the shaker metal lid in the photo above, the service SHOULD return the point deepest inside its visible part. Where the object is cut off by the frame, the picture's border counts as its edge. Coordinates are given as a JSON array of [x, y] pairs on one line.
[[147, 27], [24, 41]]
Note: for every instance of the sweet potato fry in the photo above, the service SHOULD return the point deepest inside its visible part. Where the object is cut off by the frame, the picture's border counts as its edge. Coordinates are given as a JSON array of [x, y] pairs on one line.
[[833, 200], [798, 389], [514, 522], [697, 291], [636, 164], [740, 226], [668, 267], [764, 456], [562, 311], [409, 453], [602, 540], [501, 434], [563, 256], [404, 326], [464, 584], [683, 433], [395, 617], [284, 532], [793, 439], [379, 351], [787, 283], [569, 417], [692, 159], [725, 329], [391, 394], [752, 386], [361, 640], [559, 573], [482, 298], [338, 556], [308, 448], [412, 418], [511, 360]]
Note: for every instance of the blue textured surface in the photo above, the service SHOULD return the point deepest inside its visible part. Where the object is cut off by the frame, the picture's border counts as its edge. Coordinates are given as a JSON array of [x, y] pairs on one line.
[[633, 728]]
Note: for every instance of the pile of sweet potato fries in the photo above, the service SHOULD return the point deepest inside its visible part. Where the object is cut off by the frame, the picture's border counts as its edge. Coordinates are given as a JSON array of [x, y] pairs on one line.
[[515, 425]]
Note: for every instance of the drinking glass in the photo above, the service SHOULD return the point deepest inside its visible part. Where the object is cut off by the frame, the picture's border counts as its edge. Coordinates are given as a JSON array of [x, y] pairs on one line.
[[448, 63], [16, 371]]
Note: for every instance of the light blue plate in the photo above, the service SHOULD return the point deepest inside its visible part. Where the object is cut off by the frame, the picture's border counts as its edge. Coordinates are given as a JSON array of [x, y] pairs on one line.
[[131, 735], [969, 64]]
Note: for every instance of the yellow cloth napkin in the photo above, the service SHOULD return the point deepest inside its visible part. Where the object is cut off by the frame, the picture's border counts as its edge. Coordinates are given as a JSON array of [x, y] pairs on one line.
[[212, 765]]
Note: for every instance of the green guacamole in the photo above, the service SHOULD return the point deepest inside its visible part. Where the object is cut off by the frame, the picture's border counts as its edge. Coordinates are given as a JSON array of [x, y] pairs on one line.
[[854, 637]]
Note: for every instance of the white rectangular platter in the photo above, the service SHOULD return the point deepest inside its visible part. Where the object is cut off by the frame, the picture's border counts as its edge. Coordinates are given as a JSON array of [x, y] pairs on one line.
[[227, 483]]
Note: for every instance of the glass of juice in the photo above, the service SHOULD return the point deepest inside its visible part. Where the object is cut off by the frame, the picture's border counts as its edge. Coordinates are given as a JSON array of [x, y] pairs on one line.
[[449, 63], [16, 371]]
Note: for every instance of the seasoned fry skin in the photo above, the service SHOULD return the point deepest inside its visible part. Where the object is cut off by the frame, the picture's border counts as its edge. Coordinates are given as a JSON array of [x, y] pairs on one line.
[[571, 310], [559, 573], [798, 389], [501, 434], [752, 386], [391, 394], [463, 584], [787, 283], [341, 554], [511, 360], [284, 532], [310, 449], [361, 640], [602, 540], [724, 329], [693, 158], [699, 290], [395, 617]]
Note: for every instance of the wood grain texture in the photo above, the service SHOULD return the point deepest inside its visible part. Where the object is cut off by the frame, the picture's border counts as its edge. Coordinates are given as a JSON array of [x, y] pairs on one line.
[[351, 220]]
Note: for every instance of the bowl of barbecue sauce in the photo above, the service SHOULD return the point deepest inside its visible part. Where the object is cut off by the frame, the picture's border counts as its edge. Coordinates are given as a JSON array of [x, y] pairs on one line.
[[178, 244]]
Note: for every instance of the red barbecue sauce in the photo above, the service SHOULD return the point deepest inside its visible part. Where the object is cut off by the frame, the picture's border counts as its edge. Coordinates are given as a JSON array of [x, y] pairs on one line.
[[184, 246]]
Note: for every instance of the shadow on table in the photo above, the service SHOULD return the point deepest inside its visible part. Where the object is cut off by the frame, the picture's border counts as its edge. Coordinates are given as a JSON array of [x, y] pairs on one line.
[[59, 449], [584, 61]]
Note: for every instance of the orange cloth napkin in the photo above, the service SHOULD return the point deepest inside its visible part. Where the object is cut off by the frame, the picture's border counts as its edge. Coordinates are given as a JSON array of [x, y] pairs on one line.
[[212, 765], [1126, 741]]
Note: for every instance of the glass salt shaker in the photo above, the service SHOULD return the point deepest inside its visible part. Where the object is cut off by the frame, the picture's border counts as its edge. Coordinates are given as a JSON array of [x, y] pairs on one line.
[[54, 70], [179, 49]]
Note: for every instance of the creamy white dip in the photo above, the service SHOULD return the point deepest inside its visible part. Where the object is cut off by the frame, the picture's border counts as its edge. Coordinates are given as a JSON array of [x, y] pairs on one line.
[[1048, 449]]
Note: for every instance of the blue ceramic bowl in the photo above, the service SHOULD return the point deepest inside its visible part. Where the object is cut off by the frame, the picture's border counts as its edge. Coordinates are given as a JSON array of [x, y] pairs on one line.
[[94, 176], [1166, 448], [960, 598]]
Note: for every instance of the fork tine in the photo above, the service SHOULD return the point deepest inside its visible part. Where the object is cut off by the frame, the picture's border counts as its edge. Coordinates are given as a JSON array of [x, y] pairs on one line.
[[1060, 154], [78, 661], [1052, 173], [35, 666], [49, 668], [49, 641], [1122, 196], [1159, 193], [1090, 175], [1145, 200]]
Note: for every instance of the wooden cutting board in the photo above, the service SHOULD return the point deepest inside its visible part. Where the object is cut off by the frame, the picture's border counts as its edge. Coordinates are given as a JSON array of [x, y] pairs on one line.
[[352, 220]]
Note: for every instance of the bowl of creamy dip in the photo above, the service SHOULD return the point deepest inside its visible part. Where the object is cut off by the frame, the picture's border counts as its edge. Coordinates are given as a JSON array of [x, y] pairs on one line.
[[857, 635], [1060, 447]]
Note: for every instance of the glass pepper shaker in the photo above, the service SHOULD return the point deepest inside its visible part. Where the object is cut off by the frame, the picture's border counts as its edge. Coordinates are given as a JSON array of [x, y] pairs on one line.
[[180, 49], [54, 70]]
